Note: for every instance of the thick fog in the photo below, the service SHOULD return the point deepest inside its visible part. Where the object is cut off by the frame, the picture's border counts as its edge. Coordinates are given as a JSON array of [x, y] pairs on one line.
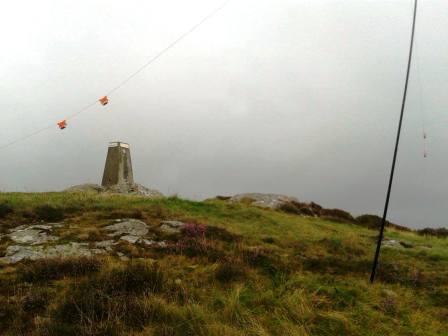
[[280, 96]]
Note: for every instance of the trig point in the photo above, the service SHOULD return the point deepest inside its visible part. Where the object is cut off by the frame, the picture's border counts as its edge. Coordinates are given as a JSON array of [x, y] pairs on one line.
[[118, 168], [118, 177]]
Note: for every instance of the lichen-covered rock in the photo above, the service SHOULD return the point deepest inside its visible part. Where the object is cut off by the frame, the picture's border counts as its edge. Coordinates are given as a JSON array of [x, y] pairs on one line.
[[16, 253], [106, 244], [47, 227], [132, 227], [171, 226], [149, 242], [292, 205], [33, 234], [38, 241], [141, 190], [130, 239], [133, 189], [152, 243], [31, 237]]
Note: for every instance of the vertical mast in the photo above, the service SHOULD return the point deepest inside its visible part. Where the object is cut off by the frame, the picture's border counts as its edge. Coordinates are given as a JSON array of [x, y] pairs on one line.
[[394, 160]]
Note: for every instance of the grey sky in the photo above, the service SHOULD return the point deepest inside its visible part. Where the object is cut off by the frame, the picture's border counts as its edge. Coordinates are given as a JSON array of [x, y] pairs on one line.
[[286, 96]]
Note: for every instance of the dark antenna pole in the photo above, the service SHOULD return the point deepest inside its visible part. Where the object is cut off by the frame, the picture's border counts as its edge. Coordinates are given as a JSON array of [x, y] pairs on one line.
[[391, 178]]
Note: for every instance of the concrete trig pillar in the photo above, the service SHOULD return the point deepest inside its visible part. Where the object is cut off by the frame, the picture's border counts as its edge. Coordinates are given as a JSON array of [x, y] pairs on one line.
[[118, 168]]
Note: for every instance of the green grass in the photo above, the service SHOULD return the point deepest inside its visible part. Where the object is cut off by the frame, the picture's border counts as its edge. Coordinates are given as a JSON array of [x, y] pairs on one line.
[[255, 272]]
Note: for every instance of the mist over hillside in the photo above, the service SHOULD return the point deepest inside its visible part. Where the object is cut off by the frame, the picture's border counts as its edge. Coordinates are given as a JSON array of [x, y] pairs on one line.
[[299, 98]]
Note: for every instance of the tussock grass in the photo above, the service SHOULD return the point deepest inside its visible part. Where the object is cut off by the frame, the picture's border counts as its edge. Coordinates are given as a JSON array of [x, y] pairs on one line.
[[57, 268], [5, 209], [49, 213], [231, 270]]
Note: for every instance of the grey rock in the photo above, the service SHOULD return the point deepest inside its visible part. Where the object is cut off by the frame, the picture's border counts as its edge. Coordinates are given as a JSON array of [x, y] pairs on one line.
[[19, 228], [171, 226], [144, 191], [391, 243], [149, 242], [56, 225], [272, 201], [122, 256], [106, 245], [87, 187], [15, 253], [45, 227], [130, 239], [31, 236], [132, 227], [162, 244], [154, 243], [41, 227], [133, 189], [122, 188]]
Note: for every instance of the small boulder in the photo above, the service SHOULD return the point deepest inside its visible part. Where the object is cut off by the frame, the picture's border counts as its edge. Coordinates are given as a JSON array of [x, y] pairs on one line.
[[31, 235], [171, 226], [391, 243], [153, 243], [130, 239], [148, 242], [122, 256], [105, 244], [132, 227]]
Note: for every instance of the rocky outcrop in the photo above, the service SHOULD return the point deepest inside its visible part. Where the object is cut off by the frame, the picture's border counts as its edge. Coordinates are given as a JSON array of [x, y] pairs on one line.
[[16, 253], [292, 205], [273, 201], [35, 242], [284, 203], [38, 241], [33, 234], [87, 187], [130, 189], [133, 227]]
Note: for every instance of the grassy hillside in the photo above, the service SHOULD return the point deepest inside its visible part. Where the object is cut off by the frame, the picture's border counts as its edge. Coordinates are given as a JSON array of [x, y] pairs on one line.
[[236, 270]]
